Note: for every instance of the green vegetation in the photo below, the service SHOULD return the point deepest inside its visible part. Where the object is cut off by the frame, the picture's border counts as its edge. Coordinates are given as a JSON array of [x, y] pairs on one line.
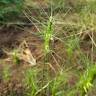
[[31, 82], [48, 35], [10, 8], [58, 83], [16, 58], [87, 79], [66, 51]]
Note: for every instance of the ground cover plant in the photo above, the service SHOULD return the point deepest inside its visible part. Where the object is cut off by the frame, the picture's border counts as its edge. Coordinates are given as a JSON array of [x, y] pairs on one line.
[[10, 8], [47, 48]]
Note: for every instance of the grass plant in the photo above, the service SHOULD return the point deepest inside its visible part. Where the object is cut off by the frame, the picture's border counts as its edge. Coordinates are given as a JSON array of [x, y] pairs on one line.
[[48, 35], [15, 57], [86, 81], [31, 82]]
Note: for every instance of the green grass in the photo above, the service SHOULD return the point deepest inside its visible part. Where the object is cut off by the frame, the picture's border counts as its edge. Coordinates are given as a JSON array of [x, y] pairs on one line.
[[48, 35], [73, 30], [10, 8], [70, 55], [15, 57], [86, 81], [31, 82], [58, 83]]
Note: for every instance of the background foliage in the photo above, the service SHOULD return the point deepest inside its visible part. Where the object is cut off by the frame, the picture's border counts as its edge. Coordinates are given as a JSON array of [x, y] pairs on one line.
[[10, 8]]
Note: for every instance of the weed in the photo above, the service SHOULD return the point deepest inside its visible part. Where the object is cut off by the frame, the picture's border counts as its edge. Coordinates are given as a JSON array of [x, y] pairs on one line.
[[48, 35], [15, 56], [57, 84], [86, 81], [31, 82], [72, 45], [48, 40]]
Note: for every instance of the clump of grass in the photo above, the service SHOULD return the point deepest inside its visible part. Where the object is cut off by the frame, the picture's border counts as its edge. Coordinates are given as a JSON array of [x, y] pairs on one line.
[[16, 58], [72, 45], [57, 84], [86, 81], [31, 82], [48, 35]]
